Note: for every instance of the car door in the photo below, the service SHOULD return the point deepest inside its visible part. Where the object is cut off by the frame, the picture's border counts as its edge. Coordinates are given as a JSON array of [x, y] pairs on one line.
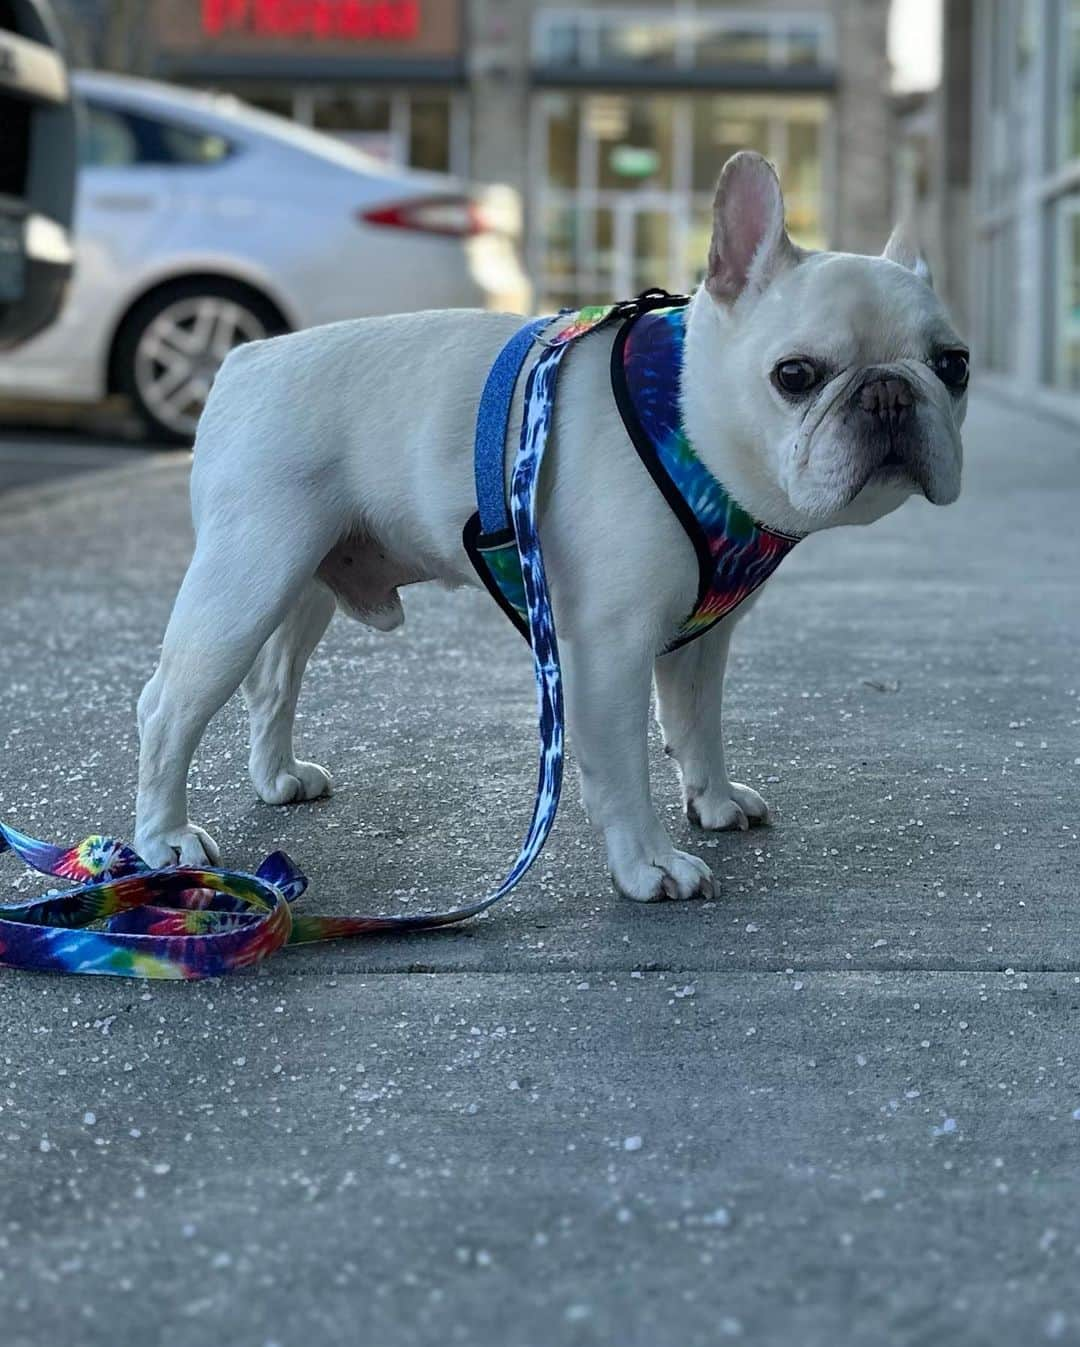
[[124, 198]]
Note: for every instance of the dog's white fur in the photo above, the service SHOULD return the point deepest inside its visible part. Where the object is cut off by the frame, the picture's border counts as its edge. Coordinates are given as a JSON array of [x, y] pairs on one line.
[[336, 464]]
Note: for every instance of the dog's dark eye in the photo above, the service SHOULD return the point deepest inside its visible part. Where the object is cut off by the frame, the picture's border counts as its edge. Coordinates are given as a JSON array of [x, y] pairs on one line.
[[952, 368], [796, 377]]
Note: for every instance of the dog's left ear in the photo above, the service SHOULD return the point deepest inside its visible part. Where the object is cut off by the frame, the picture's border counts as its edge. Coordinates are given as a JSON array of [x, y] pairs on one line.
[[750, 246], [902, 249]]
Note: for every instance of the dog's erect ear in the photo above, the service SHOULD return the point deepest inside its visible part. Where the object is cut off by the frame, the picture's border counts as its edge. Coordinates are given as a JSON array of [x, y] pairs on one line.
[[750, 246], [903, 249]]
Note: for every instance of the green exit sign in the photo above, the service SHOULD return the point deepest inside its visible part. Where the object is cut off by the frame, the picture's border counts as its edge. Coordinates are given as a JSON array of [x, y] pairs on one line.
[[634, 161]]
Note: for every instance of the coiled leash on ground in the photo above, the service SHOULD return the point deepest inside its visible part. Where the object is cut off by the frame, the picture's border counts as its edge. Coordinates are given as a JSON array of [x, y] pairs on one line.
[[193, 923]]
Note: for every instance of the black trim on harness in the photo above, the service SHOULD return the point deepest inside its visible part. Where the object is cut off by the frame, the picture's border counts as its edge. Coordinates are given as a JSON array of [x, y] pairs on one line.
[[476, 543], [646, 450], [473, 541]]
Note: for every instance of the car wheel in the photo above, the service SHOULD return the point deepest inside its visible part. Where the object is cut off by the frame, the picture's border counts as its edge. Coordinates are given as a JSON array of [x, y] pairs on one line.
[[173, 343]]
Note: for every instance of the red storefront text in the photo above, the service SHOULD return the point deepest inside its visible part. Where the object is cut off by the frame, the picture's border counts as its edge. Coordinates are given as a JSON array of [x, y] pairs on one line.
[[354, 20]]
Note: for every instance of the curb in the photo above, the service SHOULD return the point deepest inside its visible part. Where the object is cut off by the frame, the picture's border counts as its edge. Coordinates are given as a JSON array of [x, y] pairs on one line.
[[23, 500]]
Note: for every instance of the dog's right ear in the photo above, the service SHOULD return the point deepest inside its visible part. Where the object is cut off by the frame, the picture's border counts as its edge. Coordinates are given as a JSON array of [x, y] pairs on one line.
[[904, 250], [750, 246]]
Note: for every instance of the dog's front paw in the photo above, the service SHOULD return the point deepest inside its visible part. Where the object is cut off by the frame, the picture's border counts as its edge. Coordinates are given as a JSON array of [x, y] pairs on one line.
[[189, 845], [652, 879], [733, 806], [292, 783]]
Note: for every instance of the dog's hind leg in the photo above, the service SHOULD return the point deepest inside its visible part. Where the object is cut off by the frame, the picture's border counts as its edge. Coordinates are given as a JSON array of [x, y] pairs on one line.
[[271, 690], [241, 584]]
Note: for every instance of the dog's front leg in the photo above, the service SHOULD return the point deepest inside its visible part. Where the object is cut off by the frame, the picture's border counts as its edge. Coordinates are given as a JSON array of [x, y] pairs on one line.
[[608, 702], [689, 693]]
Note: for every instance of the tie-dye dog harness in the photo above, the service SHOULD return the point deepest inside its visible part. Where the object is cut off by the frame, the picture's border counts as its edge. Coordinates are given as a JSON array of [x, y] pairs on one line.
[[735, 554], [126, 919]]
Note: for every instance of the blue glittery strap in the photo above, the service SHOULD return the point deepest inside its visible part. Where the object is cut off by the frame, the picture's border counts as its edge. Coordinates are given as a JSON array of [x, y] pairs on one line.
[[492, 423]]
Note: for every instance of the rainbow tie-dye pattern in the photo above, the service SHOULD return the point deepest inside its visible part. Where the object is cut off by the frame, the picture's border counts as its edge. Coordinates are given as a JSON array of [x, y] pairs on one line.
[[736, 554]]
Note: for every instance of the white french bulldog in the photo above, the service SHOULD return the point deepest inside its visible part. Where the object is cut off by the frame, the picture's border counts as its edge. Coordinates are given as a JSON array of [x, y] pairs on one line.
[[335, 466]]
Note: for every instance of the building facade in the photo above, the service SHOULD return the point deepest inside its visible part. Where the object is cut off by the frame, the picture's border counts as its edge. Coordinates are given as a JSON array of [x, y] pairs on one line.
[[611, 119], [614, 120], [1023, 68]]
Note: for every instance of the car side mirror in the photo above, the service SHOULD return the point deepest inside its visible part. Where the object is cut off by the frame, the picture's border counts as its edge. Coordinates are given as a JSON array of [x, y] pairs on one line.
[[37, 170]]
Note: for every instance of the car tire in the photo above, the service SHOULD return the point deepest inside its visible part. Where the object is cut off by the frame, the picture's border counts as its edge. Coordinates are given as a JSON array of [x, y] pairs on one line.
[[172, 343]]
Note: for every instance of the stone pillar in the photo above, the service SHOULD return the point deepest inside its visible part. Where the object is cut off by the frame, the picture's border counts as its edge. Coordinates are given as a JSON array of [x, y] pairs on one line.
[[954, 158], [497, 38], [862, 208]]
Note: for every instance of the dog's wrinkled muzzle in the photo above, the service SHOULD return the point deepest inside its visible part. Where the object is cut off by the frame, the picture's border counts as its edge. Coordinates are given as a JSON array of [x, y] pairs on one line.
[[885, 412], [887, 402]]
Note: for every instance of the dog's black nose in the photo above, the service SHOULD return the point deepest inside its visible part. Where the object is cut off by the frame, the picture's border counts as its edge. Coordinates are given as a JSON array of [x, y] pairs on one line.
[[888, 398]]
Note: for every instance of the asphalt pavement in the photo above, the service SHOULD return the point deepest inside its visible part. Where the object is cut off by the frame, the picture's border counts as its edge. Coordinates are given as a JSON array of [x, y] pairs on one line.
[[838, 1105], [35, 455]]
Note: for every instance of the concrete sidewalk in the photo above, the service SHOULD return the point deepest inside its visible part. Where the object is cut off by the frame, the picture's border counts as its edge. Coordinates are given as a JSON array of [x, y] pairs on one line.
[[839, 1105]]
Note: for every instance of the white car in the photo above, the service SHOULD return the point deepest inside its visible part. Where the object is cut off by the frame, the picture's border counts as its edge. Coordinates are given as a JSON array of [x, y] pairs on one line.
[[202, 223]]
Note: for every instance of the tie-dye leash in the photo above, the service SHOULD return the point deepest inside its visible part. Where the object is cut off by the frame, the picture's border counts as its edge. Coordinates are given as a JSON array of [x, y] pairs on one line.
[[191, 923]]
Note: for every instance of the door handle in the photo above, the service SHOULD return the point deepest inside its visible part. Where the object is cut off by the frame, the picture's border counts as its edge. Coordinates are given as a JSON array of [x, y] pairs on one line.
[[122, 201]]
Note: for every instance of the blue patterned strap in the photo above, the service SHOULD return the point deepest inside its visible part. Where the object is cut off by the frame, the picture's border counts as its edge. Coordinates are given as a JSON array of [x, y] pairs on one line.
[[492, 424]]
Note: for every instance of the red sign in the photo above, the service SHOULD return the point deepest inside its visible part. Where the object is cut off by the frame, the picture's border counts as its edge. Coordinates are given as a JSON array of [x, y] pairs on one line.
[[341, 20]]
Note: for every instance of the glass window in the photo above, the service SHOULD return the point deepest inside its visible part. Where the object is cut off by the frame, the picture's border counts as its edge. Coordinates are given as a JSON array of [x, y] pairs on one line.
[[561, 262], [802, 171], [1068, 316], [805, 46], [651, 261], [722, 126], [364, 121], [429, 134], [562, 117], [594, 38], [112, 138], [562, 44], [106, 139], [605, 259], [633, 138], [718, 45], [182, 146], [351, 112], [645, 43], [1070, 120], [999, 299], [698, 238]]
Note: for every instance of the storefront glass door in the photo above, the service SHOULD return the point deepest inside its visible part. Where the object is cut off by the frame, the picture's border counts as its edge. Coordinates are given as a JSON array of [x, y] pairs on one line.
[[644, 234], [623, 186]]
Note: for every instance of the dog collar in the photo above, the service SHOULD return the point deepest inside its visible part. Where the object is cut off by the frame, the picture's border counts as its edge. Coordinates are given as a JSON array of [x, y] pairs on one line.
[[735, 554]]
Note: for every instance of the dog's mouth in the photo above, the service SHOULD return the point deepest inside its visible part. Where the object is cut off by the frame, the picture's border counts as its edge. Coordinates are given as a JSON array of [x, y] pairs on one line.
[[896, 472], [893, 467]]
